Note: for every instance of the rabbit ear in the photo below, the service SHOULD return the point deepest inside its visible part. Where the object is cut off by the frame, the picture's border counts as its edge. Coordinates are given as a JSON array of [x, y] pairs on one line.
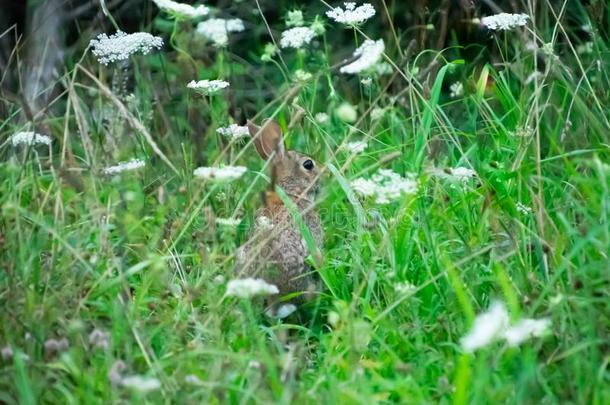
[[267, 139]]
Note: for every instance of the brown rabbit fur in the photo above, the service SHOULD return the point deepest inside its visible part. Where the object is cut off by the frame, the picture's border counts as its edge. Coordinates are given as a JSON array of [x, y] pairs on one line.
[[276, 251]]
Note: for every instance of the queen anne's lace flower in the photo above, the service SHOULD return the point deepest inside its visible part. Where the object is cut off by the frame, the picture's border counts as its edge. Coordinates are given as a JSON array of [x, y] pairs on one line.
[[133, 164], [346, 113], [301, 75], [459, 174], [369, 53], [456, 90], [217, 29], [297, 37], [294, 18], [504, 21], [321, 118], [29, 138], [386, 186], [351, 15], [180, 10], [234, 131], [250, 287], [207, 87], [225, 173], [121, 45]]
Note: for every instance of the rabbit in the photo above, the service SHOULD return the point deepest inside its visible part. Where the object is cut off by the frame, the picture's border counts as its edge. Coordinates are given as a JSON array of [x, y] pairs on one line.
[[275, 250]]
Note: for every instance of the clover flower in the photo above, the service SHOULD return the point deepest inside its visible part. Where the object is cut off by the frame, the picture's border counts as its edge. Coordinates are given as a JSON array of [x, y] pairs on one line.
[[133, 164], [120, 45], [180, 10], [369, 53], [504, 21], [234, 131], [225, 173], [250, 287], [207, 87], [386, 186], [30, 138], [297, 37], [356, 146], [217, 29], [351, 15], [493, 325]]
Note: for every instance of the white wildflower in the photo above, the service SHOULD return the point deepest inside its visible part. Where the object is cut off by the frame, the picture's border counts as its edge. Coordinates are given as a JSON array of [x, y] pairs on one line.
[[356, 146], [249, 287], [459, 174], [115, 372], [487, 327], [180, 10], [294, 18], [524, 209], [234, 131], [121, 45], [377, 113], [321, 118], [366, 81], [405, 288], [386, 186], [301, 75], [505, 21], [133, 164], [347, 113], [29, 138], [207, 87], [369, 53], [229, 222], [217, 29], [525, 329], [296, 37], [99, 339], [225, 173], [351, 15], [456, 90], [140, 383]]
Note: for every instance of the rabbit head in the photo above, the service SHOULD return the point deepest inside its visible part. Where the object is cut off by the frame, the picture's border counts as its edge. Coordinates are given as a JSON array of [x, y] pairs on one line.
[[297, 174]]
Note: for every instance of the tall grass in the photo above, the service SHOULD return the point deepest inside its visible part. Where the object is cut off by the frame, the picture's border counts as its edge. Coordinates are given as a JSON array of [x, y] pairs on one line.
[[140, 255]]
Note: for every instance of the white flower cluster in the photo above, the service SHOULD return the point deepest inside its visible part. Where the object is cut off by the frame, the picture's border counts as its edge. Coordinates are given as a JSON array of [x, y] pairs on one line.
[[234, 131], [386, 186], [460, 174], [302, 76], [297, 37], [456, 90], [493, 325], [351, 15], [140, 383], [504, 21], [207, 87], [30, 138], [356, 146], [133, 164], [225, 173], [346, 113], [229, 222], [121, 45], [321, 118], [369, 53], [180, 10], [294, 18], [250, 287], [217, 29]]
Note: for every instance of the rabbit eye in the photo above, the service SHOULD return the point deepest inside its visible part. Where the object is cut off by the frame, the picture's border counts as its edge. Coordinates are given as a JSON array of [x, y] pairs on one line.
[[308, 164]]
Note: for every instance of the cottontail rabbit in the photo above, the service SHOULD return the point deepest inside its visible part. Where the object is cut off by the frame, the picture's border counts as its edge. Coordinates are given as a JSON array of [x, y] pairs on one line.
[[276, 250]]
